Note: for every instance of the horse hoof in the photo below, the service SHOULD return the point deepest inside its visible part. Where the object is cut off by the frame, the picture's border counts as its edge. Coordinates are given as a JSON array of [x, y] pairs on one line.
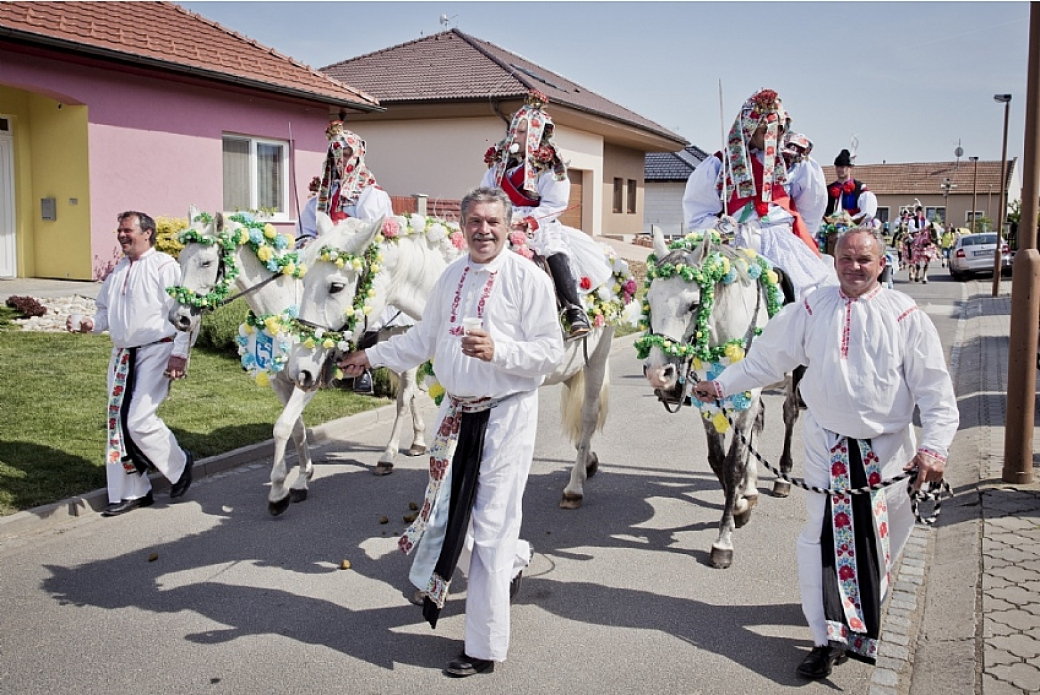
[[752, 502], [740, 520], [383, 469], [276, 508], [781, 488], [721, 559], [571, 501], [415, 450], [297, 495], [308, 476], [592, 465]]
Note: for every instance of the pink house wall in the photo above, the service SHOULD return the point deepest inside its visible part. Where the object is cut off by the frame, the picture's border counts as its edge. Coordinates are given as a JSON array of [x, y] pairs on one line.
[[155, 143]]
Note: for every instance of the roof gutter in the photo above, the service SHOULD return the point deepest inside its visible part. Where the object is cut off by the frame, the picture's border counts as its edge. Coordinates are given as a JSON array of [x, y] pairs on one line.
[[119, 57]]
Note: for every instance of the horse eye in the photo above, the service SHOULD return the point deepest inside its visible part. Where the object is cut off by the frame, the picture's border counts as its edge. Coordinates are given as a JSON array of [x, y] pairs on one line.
[[206, 264], [336, 287]]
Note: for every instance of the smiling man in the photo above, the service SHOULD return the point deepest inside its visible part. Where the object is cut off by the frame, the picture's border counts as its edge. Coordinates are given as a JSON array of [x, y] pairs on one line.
[[490, 326], [148, 352], [871, 356]]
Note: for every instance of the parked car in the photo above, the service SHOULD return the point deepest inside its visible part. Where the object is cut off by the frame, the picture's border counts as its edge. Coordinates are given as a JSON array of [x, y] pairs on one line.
[[973, 253]]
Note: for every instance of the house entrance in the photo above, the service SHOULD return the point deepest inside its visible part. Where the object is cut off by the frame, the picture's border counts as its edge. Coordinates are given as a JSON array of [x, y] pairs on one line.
[[8, 259]]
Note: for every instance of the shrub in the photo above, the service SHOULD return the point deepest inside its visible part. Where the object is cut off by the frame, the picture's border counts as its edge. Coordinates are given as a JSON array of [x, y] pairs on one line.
[[220, 327], [167, 230], [26, 306]]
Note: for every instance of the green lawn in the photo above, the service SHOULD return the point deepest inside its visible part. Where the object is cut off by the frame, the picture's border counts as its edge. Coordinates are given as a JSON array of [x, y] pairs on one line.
[[52, 408]]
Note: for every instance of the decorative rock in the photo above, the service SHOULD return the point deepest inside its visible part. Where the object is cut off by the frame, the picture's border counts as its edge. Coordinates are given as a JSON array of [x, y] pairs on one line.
[[58, 310]]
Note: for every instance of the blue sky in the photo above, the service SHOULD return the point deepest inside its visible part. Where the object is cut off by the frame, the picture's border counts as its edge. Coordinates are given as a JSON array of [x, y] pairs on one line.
[[908, 80]]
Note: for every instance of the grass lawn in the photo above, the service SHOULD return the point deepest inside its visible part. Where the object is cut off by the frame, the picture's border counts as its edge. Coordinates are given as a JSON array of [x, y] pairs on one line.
[[52, 412]]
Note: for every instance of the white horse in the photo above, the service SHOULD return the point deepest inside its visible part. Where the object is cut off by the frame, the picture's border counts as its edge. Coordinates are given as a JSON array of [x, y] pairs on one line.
[[407, 271], [208, 262], [704, 288]]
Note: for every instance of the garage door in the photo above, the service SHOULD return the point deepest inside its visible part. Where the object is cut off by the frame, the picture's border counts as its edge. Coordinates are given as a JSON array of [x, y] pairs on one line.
[[572, 218]]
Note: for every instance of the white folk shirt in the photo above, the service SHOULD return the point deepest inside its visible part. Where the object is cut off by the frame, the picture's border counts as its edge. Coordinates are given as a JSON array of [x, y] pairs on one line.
[[808, 190], [869, 361], [519, 312], [133, 305]]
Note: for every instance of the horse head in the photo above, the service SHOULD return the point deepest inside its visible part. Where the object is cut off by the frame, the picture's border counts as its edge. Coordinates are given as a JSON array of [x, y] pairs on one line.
[[702, 296], [335, 304], [201, 267]]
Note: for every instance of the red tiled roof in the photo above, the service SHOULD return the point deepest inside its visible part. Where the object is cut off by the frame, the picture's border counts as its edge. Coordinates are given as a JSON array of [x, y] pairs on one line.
[[171, 38], [926, 178], [453, 66]]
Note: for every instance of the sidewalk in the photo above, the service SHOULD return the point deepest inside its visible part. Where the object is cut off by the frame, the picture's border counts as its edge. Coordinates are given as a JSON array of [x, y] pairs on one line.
[[980, 621]]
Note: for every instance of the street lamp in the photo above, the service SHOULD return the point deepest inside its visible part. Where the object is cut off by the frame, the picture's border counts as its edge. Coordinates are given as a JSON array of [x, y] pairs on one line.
[[974, 192], [947, 187], [1004, 99]]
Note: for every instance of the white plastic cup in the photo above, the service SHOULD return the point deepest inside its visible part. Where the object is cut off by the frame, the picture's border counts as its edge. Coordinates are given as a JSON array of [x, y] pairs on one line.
[[470, 323], [76, 322]]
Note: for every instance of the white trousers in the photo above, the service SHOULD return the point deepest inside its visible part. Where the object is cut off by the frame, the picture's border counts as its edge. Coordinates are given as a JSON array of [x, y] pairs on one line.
[[895, 450], [493, 546], [146, 430]]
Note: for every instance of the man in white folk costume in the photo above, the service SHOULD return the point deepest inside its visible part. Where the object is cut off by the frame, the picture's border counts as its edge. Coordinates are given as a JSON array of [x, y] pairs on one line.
[[528, 167], [148, 352], [491, 329], [752, 179], [871, 355], [348, 188]]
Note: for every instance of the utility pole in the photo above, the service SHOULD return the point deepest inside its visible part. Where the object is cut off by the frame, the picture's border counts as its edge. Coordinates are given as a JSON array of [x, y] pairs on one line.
[[974, 192], [998, 254]]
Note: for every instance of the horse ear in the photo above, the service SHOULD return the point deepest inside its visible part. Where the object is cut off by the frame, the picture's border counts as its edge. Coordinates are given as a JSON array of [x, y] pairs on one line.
[[193, 212], [366, 234], [660, 248], [323, 222], [706, 244], [218, 221]]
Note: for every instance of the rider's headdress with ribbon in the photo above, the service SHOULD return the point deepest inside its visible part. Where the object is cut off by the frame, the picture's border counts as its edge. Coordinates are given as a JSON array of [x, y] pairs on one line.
[[345, 172], [796, 147], [763, 108], [537, 154]]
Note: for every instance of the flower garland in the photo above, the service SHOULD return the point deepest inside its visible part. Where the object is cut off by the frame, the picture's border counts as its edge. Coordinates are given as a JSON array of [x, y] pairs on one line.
[[367, 265], [433, 387], [715, 270], [264, 341], [268, 245], [606, 304], [712, 412]]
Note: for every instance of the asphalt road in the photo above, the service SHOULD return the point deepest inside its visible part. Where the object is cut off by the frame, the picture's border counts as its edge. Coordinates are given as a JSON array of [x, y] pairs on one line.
[[212, 595]]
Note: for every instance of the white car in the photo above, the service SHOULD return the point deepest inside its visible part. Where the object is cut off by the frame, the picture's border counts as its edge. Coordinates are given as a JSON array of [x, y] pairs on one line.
[[973, 253]]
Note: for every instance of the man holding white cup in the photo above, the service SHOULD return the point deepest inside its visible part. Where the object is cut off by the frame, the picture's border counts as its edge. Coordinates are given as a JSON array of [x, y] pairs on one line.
[[148, 352], [491, 327]]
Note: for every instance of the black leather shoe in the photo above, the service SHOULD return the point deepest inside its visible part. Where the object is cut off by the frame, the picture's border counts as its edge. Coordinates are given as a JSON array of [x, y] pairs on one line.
[[579, 323], [468, 666], [821, 661], [117, 508], [363, 382], [514, 586], [184, 482]]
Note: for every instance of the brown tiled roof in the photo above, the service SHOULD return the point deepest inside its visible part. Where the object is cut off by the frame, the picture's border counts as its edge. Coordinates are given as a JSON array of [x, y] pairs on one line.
[[453, 66], [165, 36], [926, 178]]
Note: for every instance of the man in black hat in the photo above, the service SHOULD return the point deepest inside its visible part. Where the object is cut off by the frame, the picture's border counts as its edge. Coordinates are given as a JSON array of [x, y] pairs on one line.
[[848, 194]]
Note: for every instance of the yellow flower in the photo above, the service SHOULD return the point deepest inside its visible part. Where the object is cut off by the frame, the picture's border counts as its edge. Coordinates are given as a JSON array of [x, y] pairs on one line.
[[720, 422], [773, 278], [248, 329], [309, 343], [340, 263], [303, 269], [367, 310], [735, 353], [269, 231], [243, 236], [750, 253], [370, 293], [355, 263], [725, 265], [272, 324], [328, 343], [261, 379], [375, 268], [436, 390], [697, 363], [289, 269], [265, 254]]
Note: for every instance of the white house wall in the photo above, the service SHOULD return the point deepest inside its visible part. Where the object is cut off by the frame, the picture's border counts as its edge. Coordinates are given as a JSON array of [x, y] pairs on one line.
[[444, 157], [663, 206]]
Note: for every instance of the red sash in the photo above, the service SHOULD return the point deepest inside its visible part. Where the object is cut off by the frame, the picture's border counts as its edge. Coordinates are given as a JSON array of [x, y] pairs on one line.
[[511, 185], [780, 198]]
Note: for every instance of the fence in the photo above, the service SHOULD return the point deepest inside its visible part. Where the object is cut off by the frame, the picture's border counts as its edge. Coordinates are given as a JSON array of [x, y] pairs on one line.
[[443, 208]]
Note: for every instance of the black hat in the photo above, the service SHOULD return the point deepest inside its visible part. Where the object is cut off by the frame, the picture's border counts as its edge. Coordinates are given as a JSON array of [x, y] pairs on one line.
[[844, 159]]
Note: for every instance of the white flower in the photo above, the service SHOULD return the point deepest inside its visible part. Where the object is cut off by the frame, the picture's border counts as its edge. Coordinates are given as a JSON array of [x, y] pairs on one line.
[[343, 346], [417, 223], [603, 293], [437, 232], [632, 314], [319, 333]]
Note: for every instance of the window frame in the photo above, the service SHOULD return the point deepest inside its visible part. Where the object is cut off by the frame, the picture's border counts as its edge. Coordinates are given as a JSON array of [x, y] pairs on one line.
[[631, 199], [619, 196], [283, 215]]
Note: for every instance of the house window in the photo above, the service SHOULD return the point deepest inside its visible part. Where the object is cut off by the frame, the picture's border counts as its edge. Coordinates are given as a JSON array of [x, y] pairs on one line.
[[968, 216], [619, 195], [936, 213], [632, 196], [256, 175], [882, 214]]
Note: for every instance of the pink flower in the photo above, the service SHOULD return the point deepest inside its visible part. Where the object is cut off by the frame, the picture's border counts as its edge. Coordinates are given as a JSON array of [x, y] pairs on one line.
[[586, 283], [391, 228], [458, 240], [525, 252], [518, 239], [599, 321]]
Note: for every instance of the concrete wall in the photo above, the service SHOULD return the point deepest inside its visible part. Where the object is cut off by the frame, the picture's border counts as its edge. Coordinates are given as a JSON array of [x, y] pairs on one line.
[[149, 143], [628, 165]]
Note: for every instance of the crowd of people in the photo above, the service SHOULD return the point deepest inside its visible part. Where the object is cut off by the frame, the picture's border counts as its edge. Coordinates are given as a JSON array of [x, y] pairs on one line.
[[497, 324]]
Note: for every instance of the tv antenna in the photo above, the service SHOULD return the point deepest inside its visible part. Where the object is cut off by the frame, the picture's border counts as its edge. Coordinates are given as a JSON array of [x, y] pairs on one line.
[[854, 145], [958, 152], [445, 20]]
